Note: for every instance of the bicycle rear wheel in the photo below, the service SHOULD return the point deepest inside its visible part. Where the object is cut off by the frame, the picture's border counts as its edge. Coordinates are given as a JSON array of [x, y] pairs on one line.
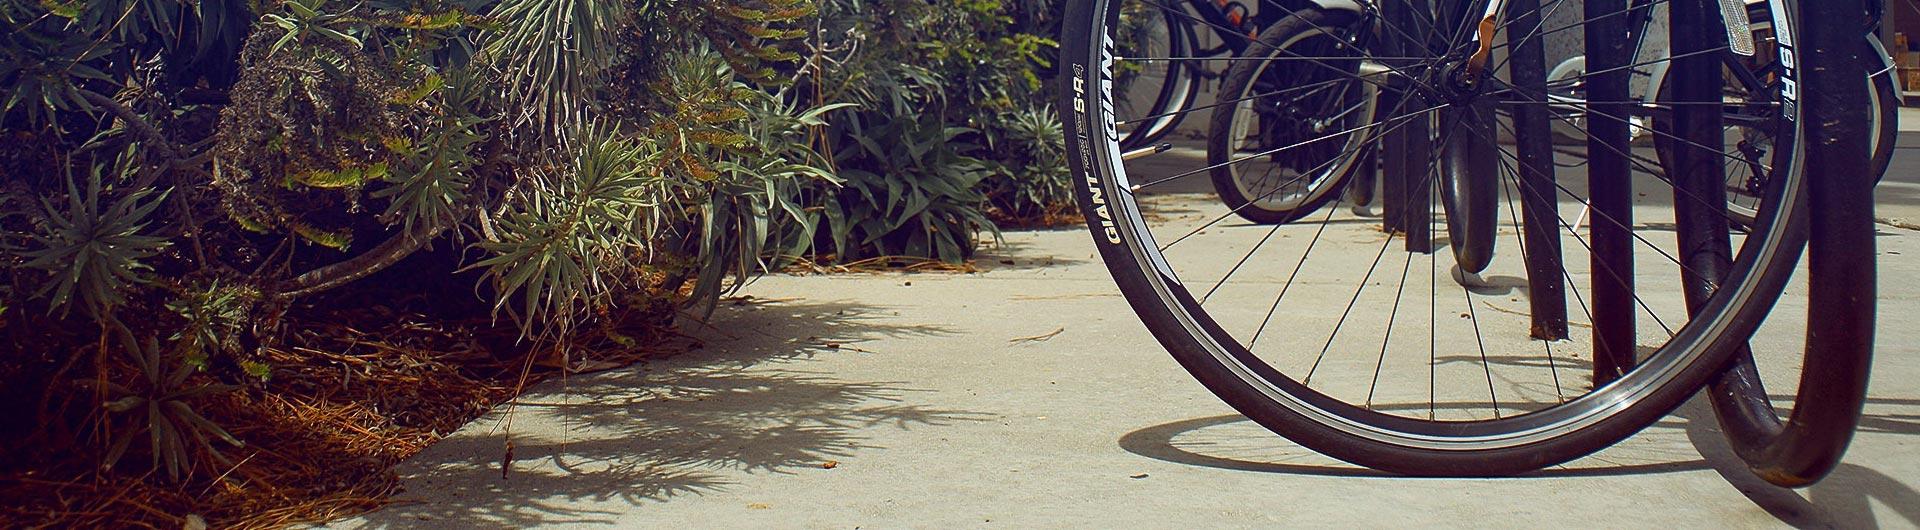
[[1307, 329], [1158, 93], [1263, 115]]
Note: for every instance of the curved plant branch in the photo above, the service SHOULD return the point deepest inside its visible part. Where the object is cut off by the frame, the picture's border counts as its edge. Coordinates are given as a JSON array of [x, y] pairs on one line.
[[385, 255], [147, 131]]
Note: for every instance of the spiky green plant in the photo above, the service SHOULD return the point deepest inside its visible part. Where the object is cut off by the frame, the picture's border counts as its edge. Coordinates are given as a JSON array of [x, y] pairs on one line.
[[96, 244], [565, 240], [430, 180], [214, 317], [554, 55], [160, 405], [1030, 177], [747, 156]]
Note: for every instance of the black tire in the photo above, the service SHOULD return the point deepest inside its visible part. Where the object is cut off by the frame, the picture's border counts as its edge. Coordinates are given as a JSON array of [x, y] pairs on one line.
[[1470, 185], [1229, 119], [1178, 88], [1343, 430], [1841, 284]]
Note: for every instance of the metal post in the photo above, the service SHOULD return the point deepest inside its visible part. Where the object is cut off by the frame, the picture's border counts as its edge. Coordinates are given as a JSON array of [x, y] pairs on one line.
[[1841, 279], [1610, 188], [1417, 145], [1539, 198], [1395, 160]]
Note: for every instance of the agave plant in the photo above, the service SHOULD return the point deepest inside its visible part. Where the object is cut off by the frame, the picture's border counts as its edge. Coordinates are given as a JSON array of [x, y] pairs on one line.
[[430, 181], [1030, 167], [214, 316], [96, 245], [160, 406], [747, 155]]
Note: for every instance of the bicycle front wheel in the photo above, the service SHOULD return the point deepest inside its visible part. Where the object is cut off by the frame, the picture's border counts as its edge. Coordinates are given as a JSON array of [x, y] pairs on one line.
[[1569, 345]]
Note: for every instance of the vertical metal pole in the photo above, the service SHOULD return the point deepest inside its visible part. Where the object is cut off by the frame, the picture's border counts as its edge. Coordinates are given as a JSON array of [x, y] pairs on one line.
[[1842, 274], [1394, 163], [1539, 198], [1361, 188], [1418, 145], [1610, 188], [1841, 279], [1393, 172], [1418, 186]]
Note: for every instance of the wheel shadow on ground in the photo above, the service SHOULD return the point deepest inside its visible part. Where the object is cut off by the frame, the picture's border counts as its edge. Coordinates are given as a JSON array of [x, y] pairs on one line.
[[602, 446], [1844, 500]]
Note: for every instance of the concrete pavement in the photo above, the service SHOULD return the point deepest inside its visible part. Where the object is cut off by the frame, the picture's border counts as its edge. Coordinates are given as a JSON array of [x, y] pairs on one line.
[[1029, 395]]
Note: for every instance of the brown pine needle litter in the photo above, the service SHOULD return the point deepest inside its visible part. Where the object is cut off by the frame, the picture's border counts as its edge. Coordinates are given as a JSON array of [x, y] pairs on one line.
[[1064, 215], [876, 265], [342, 407], [1038, 338], [352, 393]]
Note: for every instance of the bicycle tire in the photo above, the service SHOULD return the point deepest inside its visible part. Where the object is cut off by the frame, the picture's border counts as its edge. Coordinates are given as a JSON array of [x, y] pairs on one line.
[[1177, 90], [1886, 105], [1229, 185], [1343, 430], [1470, 188]]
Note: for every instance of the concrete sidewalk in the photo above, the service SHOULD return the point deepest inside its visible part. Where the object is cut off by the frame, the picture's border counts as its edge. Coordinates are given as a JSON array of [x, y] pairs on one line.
[[1029, 395]]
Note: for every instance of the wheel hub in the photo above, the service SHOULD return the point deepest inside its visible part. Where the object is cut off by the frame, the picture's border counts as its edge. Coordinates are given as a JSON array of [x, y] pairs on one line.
[[1456, 81]]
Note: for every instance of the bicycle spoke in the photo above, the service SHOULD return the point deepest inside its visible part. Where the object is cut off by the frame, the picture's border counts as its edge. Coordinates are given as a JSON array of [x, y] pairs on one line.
[[1479, 339], [1402, 119], [1640, 163], [1387, 337], [1616, 277], [1431, 177], [1276, 93], [1306, 174], [1519, 237], [1584, 23]]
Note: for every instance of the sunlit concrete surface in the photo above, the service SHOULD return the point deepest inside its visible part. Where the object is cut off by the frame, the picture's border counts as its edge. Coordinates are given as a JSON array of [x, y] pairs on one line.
[[1028, 395], [888, 401]]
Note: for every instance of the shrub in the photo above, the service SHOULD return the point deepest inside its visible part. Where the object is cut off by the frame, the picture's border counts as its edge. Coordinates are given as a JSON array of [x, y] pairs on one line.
[[213, 166], [950, 119]]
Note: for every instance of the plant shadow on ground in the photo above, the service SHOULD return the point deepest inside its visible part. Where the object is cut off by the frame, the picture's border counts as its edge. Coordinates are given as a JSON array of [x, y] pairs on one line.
[[1844, 500], [649, 433]]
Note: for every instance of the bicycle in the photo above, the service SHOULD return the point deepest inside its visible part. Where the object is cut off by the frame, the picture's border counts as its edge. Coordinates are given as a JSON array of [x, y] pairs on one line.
[[1232, 124], [1170, 87], [1441, 92]]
